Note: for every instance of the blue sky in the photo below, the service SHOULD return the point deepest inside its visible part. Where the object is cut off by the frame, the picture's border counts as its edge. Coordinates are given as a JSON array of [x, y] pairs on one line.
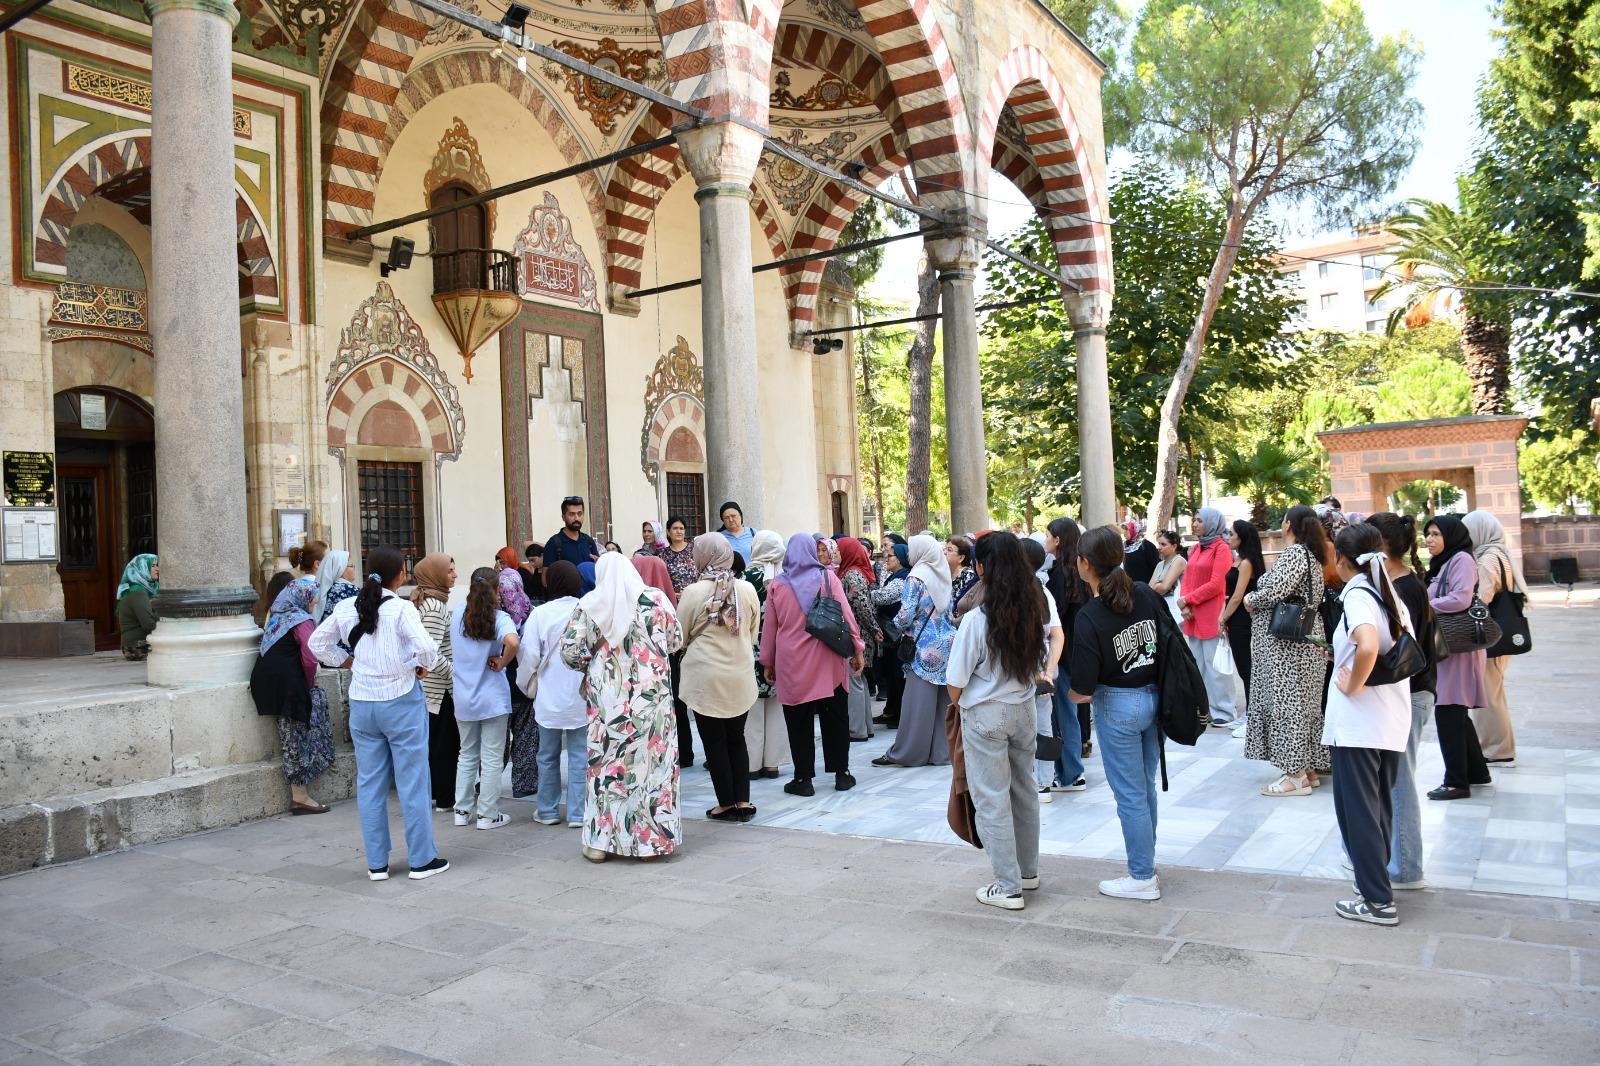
[[1457, 44]]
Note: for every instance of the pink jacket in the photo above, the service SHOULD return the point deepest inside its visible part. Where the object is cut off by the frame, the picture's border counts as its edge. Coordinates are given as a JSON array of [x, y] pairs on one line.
[[1205, 583], [806, 670]]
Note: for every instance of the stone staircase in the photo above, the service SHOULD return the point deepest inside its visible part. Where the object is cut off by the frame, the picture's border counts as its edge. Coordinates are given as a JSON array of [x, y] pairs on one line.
[[106, 772]]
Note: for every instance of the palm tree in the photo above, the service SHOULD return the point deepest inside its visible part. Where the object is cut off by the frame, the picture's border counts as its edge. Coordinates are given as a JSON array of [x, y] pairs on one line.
[[1441, 255], [1270, 473]]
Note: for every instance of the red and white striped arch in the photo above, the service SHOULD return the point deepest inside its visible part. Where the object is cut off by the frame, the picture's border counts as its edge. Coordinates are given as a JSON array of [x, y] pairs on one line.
[[718, 53], [637, 185], [1074, 211]]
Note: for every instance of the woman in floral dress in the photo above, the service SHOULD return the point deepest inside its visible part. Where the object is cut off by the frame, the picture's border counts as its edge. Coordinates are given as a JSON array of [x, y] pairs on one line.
[[857, 577], [620, 638], [925, 615]]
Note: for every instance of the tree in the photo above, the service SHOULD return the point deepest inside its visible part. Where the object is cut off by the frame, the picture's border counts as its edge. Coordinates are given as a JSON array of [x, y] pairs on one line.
[[1029, 360], [1443, 249], [1270, 474], [920, 359], [1277, 102], [1429, 386], [1560, 471]]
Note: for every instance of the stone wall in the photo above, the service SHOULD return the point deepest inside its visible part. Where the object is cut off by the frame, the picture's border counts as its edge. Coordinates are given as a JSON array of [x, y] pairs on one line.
[[1576, 536]]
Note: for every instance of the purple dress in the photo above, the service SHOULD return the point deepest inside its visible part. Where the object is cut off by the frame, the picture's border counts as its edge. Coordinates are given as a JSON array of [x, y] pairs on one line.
[[1461, 675]]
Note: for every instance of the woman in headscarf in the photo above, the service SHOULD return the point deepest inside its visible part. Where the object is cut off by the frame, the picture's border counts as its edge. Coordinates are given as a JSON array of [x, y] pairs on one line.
[[336, 581], [721, 617], [1140, 557], [522, 743], [653, 571], [586, 578], [808, 675], [141, 580], [432, 579], [283, 684], [925, 615], [1497, 572], [765, 734], [620, 637], [857, 578], [1452, 582], [654, 537], [740, 536], [1205, 590], [886, 599]]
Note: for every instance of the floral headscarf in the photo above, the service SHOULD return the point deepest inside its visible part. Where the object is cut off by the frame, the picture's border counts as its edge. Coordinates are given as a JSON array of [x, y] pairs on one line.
[[713, 557], [292, 607], [330, 572], [1333, 521], [513, 597], [136, 575]]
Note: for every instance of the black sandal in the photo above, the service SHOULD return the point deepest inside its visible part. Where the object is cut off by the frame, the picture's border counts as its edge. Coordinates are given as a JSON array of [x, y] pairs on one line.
[[309, 808], [731, 814]]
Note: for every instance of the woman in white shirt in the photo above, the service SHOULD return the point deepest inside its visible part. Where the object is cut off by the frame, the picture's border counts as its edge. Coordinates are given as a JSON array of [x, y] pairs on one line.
[[559, 708], [484, 639], [1366, 726], [390, 654]]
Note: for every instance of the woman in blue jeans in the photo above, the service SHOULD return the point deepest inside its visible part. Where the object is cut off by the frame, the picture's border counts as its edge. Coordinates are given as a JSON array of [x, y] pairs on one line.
[[1069, 593], [1113, 661], [389, 655]]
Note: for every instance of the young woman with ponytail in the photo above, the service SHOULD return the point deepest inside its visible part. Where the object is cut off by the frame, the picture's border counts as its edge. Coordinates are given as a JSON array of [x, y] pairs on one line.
[[1288, 676], [1399, 534], [390, 654], [1367, 726], [485, 640], [1113, 662], [1070, 593]]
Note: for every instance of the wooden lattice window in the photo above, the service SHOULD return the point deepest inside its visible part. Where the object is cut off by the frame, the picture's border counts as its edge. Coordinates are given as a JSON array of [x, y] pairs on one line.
[[391, 508], [686, 498]]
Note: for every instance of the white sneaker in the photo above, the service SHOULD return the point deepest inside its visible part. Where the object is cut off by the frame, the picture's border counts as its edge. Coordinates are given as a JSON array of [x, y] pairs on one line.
[[496, 822], [547, 821], [463, 818], [574, 825], [1077, 786], [994, 896], [1241, 730], [1408, 886], [1132, 888], [1044, 795], [1030, 884]]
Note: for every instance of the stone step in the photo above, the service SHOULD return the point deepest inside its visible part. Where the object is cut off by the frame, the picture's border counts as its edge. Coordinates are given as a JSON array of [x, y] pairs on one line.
[[69, 827]]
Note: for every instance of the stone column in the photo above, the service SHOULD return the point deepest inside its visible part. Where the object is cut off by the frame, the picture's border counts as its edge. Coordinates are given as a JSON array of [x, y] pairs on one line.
[[723, 158], [206, 634], [1089, 312], [957, 261]]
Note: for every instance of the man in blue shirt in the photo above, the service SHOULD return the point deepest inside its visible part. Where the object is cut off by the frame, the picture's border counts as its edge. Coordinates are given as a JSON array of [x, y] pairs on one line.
[[571, 543]]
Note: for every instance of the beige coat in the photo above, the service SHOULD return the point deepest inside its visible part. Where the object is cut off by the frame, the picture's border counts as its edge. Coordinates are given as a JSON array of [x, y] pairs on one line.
[[719, 671]]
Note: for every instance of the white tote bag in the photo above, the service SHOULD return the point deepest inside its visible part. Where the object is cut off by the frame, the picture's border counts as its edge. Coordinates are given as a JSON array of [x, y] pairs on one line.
[[1222, 658]]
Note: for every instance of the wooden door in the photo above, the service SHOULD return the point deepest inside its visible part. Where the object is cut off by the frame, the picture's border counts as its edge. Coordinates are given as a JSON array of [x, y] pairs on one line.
[[88, 568]]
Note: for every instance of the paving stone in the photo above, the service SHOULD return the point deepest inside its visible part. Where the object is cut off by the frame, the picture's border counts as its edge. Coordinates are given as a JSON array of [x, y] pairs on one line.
[[95, 1025], [1283, 986], [308, 997], [222, 1019], [291, 1040], [793, 1047], [1313, 1042], [691, 1034], [1259, 932], [1504, 959], [1359, 942], [28, 1003], [98, 978], [1380, 1047], [160, 996], [1567, 932], [219, 972], [154, 1045]]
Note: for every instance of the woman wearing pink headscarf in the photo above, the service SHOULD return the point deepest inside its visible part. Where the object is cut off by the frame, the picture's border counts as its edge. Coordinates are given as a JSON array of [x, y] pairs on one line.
[[810, 679]]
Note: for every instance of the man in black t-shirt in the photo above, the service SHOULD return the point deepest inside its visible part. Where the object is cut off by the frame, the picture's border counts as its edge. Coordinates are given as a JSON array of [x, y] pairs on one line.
[[571, 543]]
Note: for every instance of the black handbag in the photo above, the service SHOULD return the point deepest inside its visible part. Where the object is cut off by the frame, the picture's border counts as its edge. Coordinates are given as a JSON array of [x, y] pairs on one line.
[[1293, 619], [1473, 629], [826, 622], [1506, 609], [1046, 748], [1405, 658], [906, 648]]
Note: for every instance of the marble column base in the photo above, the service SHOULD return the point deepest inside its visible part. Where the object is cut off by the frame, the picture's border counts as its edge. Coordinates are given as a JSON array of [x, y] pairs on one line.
[[188, 652]]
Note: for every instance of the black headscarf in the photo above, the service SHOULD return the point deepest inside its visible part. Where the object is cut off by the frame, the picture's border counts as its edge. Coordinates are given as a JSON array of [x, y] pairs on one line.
[[561, 579], [1456, 541]]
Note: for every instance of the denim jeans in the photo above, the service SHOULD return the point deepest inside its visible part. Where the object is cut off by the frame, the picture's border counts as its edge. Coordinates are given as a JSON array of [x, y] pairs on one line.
[[483, 753], [551, 743], [1130, 751], [1405, 845], [998, 743], [391, 742], [1044, 770], [1069, 767]]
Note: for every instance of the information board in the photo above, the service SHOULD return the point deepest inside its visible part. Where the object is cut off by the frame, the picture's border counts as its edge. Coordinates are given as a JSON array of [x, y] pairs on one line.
[[29, 478], [29, 535]]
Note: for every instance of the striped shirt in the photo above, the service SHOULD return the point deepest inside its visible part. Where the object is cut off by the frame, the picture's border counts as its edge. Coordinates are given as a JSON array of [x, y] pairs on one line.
[[436, 620], [386, 661]]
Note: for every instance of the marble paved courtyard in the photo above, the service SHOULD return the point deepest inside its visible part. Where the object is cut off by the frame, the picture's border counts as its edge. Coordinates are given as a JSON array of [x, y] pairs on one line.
[[775, 943]]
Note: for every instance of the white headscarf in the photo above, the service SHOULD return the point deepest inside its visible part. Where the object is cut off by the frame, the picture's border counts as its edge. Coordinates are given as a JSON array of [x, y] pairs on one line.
[[1043, 573], [766, 551], [614, 603], [1489, 536], [928, 566], [332, 568]]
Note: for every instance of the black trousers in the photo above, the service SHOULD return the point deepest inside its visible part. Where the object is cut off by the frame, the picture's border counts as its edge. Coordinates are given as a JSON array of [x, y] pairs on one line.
[[1239, 644], [893, 685], [681, 709], [1458, 743], [444, 752], [727, 759], [1363, 791], [834, 713]]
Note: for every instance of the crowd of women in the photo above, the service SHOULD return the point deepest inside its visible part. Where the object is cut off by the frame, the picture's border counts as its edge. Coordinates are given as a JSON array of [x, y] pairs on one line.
[[587, 678]]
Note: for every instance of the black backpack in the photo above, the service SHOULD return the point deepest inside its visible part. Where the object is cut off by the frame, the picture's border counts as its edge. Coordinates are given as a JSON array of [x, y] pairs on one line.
[[1183, 709]]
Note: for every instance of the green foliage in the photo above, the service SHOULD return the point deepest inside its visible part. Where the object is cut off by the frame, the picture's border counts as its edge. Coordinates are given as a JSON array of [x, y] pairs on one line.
[[1442, 247], [1428, 386], [1030, 361], [873, 219], [1270, 474], [1292, 99], [1561, 469]]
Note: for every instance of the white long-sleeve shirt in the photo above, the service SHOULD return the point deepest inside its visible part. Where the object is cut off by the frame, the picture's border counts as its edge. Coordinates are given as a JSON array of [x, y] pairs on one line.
[[559, 702], [386, 661]]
